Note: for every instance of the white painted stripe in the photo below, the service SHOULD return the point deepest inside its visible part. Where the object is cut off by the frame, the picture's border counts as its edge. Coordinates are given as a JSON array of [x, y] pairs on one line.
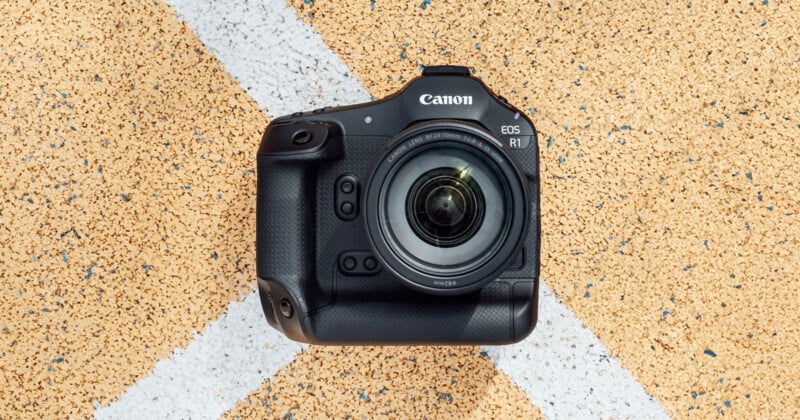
[[567, 372], [563, 368], [280, 61], [284, 65], [233, 356]]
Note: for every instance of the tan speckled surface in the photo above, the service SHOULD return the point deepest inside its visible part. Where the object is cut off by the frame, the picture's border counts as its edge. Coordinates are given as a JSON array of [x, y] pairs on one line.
[[669, 170], [129, 194], [127, 155], [389, 382], [669, 183]]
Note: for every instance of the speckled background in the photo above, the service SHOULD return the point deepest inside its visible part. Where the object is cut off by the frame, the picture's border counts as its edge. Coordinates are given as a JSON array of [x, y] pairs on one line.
[[128, 157], [398, 382], [669, 171], [669, 185]]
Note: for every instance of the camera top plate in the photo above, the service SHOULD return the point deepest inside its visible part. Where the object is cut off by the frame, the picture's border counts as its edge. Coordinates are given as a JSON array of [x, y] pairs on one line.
[[441, 92]]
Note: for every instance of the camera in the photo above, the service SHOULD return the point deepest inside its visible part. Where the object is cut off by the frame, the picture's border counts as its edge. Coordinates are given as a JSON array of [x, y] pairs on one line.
[[413, 219]]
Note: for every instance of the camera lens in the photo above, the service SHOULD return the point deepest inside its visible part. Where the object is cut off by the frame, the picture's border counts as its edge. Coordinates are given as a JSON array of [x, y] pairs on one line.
[[433, 209], [445, 206]]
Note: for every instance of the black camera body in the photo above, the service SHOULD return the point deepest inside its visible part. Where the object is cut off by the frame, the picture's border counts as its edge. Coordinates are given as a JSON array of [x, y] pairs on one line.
[[409, 220]]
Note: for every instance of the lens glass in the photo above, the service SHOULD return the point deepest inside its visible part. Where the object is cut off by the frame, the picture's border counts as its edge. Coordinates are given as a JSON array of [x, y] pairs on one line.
[[445, 206], [434, 209]]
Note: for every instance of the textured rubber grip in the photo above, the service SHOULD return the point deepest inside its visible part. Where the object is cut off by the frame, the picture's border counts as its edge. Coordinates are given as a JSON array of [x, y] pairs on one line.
[[286, 224], [288, 161]]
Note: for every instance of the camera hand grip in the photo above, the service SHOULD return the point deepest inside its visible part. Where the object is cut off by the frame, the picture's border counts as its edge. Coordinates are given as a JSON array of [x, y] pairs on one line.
[[285, 249], [288, 160]]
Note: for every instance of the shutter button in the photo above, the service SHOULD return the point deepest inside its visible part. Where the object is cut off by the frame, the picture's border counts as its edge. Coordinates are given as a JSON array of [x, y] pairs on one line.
[[301, 137]]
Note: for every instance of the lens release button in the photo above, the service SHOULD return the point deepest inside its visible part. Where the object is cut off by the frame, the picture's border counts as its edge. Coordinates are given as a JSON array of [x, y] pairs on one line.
[[518, 263]]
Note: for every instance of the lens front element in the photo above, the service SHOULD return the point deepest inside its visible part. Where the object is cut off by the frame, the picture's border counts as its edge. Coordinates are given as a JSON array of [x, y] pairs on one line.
[[445, 206]]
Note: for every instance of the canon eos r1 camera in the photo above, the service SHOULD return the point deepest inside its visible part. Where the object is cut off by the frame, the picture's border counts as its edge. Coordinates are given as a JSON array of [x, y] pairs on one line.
[[409, 220]]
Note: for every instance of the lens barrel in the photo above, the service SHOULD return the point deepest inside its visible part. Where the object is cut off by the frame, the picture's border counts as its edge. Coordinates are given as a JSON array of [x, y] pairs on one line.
[[446, 207]]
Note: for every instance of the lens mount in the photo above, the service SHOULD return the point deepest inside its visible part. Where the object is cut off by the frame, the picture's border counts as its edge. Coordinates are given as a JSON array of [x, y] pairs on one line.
[[446, 207]]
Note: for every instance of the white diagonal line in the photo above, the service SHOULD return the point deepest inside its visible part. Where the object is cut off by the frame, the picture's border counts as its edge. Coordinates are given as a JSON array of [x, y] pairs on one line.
[[567, 372], [280, 61], [285, 67], [563, 368], [233, 356]]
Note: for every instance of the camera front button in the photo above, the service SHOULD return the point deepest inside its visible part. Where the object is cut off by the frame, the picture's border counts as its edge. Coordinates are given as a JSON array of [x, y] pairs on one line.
[[358, 263], [370, 263], [346, 208], [346, 197], [349, 263], [346, 186]]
